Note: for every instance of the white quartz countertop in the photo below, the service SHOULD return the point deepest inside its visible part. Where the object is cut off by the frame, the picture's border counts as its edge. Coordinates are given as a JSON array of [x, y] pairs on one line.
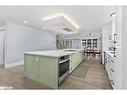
[[72, 50], [109, 53], [54, 53]]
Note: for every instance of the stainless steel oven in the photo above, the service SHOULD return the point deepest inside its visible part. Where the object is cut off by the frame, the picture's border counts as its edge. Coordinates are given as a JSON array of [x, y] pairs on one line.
[[63, 67]]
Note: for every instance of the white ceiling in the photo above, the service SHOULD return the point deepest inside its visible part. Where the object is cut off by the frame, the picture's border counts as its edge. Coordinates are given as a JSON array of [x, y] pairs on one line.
[[89, 18]]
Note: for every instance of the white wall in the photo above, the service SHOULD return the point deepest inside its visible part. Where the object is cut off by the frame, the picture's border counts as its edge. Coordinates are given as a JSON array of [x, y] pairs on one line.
[[123, 43], [106, 30], [84, 34], [76, 43], [20, 39], [1, 46], [93, 35]]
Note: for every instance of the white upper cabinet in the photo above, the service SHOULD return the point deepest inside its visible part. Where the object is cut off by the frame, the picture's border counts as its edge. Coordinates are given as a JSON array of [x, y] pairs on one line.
[[89, 43], [114, 28]]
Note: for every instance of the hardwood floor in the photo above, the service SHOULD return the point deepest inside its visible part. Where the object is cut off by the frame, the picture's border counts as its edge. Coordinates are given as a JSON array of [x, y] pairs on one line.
[[94, 78]]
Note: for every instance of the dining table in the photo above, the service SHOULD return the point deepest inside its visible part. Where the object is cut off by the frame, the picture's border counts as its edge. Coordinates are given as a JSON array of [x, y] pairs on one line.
[[90, 51]]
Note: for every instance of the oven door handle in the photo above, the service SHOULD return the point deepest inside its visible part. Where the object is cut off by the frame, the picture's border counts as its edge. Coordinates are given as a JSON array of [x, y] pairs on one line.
[[63, 61]]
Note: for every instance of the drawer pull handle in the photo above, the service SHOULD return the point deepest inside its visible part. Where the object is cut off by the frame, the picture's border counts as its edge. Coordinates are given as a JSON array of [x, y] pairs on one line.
[[112, 82], [112, 70]]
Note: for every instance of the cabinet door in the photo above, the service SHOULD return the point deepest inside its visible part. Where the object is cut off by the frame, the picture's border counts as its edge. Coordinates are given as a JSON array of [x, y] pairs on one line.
[[106, 65], [89, 43], [83, 42], [76, 59], [81, 56], [95, 43], [70, 65], [106, 62], [31, 66], [48, 71], [72, 62]]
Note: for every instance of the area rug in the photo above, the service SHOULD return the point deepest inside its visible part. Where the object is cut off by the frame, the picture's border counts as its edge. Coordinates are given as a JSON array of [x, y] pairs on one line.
[[80, 71]]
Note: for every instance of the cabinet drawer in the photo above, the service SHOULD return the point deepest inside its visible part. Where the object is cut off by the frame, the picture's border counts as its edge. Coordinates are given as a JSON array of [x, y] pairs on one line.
[[113, 84], [112, 79]]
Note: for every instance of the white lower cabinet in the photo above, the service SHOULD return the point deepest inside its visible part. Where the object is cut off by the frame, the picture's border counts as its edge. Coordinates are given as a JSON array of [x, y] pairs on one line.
[[110, 68]]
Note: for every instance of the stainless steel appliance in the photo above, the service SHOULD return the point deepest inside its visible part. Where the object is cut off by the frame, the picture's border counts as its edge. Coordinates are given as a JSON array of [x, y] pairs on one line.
[[63, 67]]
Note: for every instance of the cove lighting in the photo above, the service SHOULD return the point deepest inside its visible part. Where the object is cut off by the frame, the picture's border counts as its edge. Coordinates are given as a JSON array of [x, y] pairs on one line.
[[61, 15]]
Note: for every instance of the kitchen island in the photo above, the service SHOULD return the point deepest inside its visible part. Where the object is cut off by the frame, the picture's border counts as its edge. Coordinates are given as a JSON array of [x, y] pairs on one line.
[[53, 66]]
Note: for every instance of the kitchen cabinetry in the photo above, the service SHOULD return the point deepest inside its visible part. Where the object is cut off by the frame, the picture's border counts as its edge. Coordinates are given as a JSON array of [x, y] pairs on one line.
[[94, 43], [120, 68], [84, 43], [72, 62], [110, 68], [51, 67], [89, 43], [32, 65], [42, 69], [114, 28], [75, 59]]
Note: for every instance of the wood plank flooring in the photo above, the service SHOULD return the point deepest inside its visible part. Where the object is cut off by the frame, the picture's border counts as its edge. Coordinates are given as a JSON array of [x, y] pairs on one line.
[[95, 78]]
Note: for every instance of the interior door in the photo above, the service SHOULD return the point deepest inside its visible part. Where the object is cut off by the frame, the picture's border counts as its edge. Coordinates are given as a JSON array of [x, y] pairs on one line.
[[1, 47]]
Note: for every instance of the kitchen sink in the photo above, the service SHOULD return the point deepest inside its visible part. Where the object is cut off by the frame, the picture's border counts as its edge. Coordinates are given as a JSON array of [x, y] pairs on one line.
[[70, 50]]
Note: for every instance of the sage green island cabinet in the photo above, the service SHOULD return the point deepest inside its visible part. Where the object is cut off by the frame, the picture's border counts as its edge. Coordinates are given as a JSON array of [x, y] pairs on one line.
[[42, 67], [76, 58], [72, 62]]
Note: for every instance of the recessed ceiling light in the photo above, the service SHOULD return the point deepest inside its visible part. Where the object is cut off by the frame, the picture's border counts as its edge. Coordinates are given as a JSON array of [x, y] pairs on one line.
[[25, 21], [43, 28]]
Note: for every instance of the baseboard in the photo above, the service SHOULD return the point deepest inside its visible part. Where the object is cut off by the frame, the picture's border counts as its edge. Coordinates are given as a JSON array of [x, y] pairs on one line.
[[14, 64]]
